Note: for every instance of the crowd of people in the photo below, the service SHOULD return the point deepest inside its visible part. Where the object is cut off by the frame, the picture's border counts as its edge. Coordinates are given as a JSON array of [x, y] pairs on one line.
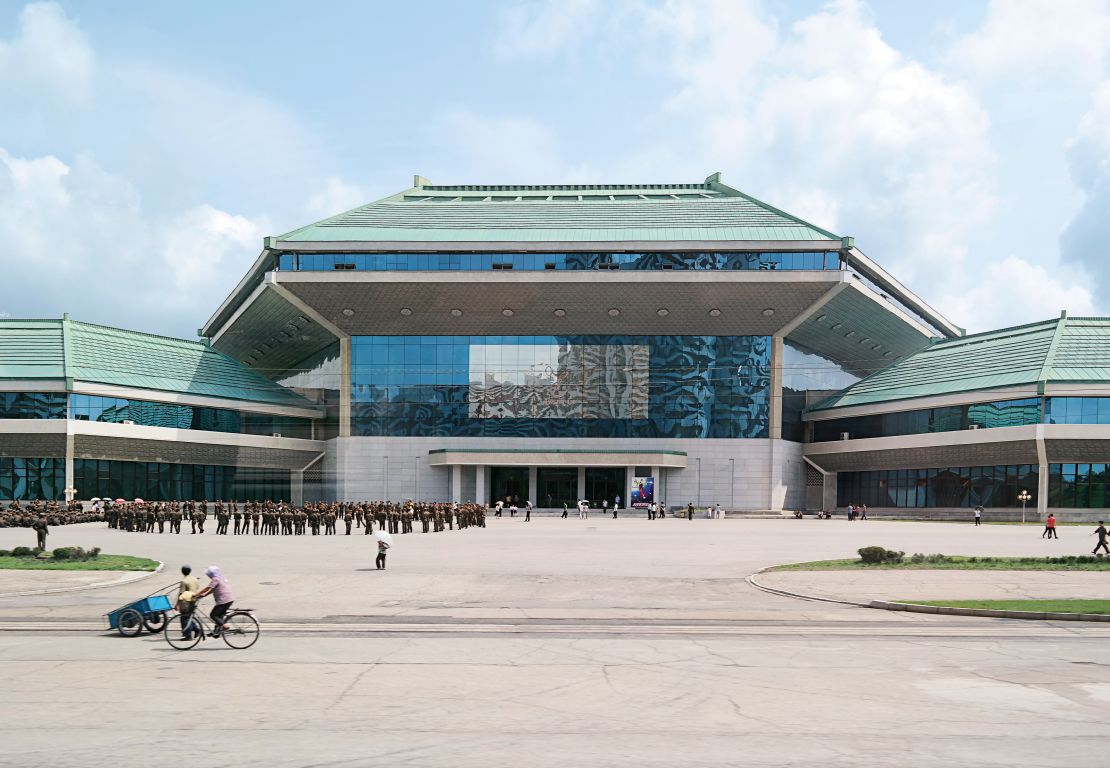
[[269, 518]]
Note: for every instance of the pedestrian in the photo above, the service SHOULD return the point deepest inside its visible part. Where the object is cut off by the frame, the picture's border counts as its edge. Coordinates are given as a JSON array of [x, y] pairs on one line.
[[528, 511], [497, 508], [1050, 527], [1101, 533], [717, 511], [651, 511], [40, 532], [512, 509], [862, 511], [605, 506], [851, 513], [690, 510], [565, 510], [616, 501], [978, 515], [187, 590], [383, 547]]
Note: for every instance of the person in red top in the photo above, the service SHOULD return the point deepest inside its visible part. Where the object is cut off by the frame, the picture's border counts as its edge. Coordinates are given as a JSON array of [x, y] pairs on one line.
[[1050, 527]]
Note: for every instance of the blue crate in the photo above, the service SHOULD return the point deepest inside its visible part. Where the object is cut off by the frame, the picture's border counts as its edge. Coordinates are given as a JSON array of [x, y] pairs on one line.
[[151, 604]]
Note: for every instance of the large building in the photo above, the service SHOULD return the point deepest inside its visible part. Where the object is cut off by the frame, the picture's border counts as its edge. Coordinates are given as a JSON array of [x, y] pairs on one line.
[[555, 343], [558, 342]]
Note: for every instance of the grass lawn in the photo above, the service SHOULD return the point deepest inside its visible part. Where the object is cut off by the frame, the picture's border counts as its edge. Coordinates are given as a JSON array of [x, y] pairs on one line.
[[951, 563], [1048, 606], [101, 563]]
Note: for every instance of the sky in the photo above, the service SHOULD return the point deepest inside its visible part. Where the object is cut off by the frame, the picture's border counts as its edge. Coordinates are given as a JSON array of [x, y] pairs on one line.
[[146, 149]]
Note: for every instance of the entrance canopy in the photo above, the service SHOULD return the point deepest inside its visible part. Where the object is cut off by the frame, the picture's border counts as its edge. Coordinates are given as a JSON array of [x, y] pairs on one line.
[[523, 457]]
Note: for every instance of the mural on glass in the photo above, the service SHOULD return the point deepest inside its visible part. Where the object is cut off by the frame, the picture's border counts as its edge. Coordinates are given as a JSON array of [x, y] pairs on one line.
[[561, 386]]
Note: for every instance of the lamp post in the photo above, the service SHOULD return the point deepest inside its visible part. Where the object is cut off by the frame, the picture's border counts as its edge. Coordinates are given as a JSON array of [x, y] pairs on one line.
[[70, 494], [1024, 498]]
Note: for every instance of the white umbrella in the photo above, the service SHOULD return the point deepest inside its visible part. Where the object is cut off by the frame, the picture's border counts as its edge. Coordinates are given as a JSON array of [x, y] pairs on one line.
[[95, 498], [384, 536]]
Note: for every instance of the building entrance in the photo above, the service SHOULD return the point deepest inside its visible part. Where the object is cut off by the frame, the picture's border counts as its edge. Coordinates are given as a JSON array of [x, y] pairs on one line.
[[606, 483], [509, 484], [556, 486]]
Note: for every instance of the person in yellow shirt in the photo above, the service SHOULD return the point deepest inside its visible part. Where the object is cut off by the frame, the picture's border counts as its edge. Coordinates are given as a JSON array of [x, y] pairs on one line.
[[187, 600]]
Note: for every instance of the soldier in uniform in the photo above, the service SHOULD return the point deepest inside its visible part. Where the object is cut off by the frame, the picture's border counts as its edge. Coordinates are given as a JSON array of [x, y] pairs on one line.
[[348, 518]]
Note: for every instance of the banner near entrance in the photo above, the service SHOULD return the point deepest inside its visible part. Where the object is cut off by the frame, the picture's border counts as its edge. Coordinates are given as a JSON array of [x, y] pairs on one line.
[[643, 491]]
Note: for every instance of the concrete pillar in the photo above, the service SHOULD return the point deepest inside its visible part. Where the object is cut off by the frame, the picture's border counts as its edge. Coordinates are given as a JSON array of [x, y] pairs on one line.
[[657, 473], [345, 387], [1042, 491], [581, 483], [456, 484], [296, 487], [775, 427], [626, 497], [70, 477], [533, 486], [481, 492]]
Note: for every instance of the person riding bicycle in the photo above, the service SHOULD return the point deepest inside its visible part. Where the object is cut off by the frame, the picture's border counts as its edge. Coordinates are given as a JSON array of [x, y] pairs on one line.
[[187, 599], [221, 590]]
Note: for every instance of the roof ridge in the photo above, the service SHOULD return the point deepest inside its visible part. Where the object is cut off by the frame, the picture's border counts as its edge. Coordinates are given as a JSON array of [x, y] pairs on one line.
[[1050, 353], [997, 331], [191, 342], [558, 187], [718, 184]]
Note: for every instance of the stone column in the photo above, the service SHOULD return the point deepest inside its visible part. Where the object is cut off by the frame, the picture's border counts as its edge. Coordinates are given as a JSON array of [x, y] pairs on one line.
[[657, 473], [581, 483], [626, 497], [481, 492], [533, 486], [296, 487], [456, 484]]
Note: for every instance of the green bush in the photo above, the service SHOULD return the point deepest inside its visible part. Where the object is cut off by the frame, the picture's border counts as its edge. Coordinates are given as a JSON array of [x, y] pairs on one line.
[[878, 555], [73, 553], [5, 553], [94, 553], [23, 552], [62, 553], [917, 557]]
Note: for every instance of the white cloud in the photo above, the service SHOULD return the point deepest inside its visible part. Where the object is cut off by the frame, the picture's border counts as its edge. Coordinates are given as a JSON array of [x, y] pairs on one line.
[[541, 28], [76, 238], [1014, 291], [49, 53], [336, 196], [1085, 240], [1038, 39]]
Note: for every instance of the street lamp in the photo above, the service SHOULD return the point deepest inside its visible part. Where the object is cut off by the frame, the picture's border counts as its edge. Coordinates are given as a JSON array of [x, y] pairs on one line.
[[70, 494], [1023, 497]]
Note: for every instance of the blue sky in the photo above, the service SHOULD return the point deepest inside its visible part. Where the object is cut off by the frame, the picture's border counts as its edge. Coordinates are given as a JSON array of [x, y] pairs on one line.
[[146, 149]]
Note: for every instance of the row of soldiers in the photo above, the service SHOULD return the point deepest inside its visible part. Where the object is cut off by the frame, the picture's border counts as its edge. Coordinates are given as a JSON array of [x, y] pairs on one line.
[[278, 518], [52, 512]]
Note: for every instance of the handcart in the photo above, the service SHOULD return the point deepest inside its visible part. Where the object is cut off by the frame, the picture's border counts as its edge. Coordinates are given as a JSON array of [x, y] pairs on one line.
[[150, 612]]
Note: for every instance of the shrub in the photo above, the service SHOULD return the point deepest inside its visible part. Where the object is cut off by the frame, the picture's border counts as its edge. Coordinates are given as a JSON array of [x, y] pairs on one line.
[[63, 553], [877, 555], [94, 553], [5, 553], [937, 558], [72, 553], [22, 552], [917, 557]]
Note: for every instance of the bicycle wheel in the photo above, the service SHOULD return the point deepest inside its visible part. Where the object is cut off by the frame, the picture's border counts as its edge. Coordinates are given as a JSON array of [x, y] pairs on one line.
[[178, 639], [242, 630]]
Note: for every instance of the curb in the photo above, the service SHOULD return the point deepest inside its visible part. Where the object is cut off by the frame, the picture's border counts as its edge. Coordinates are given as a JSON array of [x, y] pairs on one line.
[[798, 595], [97, 585], [987, 612], [884, 605]]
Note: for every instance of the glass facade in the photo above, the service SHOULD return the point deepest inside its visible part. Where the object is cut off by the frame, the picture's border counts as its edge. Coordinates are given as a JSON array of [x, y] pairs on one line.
[[725, 260], [807, 378], [1077, 410], [32, 405], [154, 481], [560, 386], [1002, 413], [317, 378], [150, 414], [994, 486], [32, 479], [1079, 486]]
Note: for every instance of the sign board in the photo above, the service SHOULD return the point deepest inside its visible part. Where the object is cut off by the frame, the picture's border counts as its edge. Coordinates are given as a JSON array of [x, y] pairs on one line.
[[643, 491]]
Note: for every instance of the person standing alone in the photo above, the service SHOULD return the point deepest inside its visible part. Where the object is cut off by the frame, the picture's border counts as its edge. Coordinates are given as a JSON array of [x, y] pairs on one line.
[[978, 515], [1101, 533]]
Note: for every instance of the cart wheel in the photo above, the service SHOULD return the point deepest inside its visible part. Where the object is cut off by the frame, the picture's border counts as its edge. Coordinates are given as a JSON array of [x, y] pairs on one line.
[[155, 621], [130, 623]]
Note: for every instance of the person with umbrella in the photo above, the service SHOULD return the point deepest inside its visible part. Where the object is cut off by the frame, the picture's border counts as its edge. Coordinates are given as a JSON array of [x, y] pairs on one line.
[[384, 542]]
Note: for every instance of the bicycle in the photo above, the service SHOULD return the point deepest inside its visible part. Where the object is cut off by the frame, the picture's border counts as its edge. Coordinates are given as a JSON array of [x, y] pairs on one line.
[[241, 633]]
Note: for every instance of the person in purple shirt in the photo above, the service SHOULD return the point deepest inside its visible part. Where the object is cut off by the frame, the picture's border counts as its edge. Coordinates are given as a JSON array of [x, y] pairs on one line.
[[221, 592]]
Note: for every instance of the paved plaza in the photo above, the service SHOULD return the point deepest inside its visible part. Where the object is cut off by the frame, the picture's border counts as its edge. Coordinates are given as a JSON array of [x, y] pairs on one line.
[[554, 643]]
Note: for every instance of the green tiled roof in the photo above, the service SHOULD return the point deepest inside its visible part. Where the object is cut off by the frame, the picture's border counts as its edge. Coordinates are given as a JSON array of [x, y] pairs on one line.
[[1065, 350], [70, 350], [562, 213]]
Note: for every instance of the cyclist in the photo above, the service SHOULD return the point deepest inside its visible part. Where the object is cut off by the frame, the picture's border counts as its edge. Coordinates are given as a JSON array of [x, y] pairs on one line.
[[186, 599], [221, 590]]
